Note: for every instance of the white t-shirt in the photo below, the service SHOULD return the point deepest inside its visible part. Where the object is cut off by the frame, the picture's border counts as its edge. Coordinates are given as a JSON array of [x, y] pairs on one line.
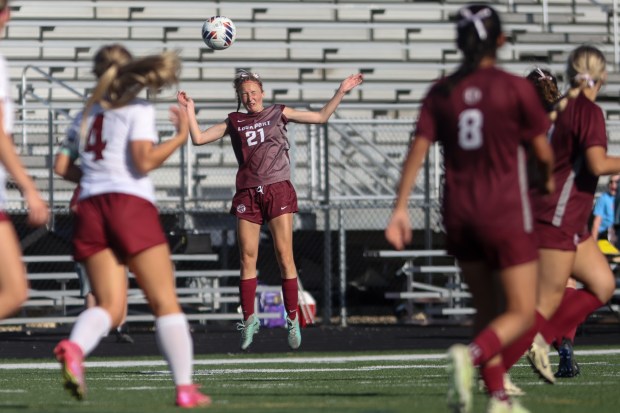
[[8, 119], [105, 157]]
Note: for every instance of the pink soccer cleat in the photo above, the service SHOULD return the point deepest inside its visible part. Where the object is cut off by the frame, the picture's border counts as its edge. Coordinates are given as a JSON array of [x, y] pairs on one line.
[[70, 356], [188, 397]]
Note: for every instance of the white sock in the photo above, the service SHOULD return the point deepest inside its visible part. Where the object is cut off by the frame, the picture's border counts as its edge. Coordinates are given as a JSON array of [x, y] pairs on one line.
[[175, 343], [91, 326]]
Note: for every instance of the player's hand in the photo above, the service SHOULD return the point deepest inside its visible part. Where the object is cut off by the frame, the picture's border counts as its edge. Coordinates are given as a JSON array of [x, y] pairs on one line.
[[398, 231], [185, 101], [38, 212], [351, 82], [178, 117]]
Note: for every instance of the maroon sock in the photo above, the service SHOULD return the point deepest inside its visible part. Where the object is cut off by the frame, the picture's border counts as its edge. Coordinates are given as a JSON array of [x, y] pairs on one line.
[[570, 333], [571, 312], [247, 293], [484, 347], [512, 353], [493, 377], [291, 298]]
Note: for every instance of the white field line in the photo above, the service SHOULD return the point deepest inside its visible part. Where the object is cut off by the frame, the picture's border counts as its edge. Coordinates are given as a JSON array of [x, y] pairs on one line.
[[283, 360]]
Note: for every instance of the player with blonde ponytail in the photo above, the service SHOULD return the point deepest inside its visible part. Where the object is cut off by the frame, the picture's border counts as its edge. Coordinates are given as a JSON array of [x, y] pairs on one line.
[[117, 223], [566, 247]]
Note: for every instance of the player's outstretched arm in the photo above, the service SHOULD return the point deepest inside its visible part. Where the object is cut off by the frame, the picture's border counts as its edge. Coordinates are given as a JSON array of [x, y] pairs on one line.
[[199, 137], [398, 231], [323, 115]]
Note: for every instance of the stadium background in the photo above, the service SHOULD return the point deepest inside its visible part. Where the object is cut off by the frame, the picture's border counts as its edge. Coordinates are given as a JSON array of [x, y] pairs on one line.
[[345, 172]]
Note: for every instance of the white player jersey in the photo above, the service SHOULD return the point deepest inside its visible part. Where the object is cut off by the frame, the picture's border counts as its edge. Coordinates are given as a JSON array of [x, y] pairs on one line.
[[105, 158], [8, 118]]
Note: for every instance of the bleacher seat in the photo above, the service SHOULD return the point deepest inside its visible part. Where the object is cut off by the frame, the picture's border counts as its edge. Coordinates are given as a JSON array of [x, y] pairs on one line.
[[302, 49]]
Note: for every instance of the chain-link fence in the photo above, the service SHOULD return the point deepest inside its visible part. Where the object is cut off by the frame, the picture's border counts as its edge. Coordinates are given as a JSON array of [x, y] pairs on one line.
[[345, 174]]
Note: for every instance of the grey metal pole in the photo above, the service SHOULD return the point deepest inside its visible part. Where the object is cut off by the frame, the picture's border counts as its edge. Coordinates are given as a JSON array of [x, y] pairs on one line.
[[342, 247], [50, 172], [184, 160], [327, 250]]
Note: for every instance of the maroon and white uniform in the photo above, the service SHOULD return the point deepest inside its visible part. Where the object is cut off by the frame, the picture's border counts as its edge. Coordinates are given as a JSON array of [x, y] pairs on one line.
[[483, 123], [264, 190], [562, 218], [116, 202]]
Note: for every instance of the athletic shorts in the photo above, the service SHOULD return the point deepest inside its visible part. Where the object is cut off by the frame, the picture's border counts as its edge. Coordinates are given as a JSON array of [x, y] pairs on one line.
[[557, 238], [263, 203], [125, 223], [500, 248], [4, 217]]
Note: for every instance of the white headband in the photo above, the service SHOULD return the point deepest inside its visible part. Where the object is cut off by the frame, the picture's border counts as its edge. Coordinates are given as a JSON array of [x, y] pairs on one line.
[[542, 74], [477, 18], [585, 77]]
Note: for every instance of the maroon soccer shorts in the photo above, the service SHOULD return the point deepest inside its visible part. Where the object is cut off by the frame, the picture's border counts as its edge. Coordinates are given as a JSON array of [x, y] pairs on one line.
[[4, 216], [125, 223], [501, 248], [263, 203], [557, 238]]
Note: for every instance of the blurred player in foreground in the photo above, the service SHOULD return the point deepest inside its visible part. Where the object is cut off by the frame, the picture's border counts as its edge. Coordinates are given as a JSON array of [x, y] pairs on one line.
[[13, 283], [579, 141], [117, 223], [486, 210]]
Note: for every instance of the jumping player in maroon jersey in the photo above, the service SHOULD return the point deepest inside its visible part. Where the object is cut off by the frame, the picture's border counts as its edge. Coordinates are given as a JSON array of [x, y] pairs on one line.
[[483, 117], [566, 247], [264, 193]]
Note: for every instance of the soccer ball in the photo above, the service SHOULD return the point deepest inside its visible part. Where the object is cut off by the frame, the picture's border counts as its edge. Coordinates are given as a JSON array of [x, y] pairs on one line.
[[218, 32]]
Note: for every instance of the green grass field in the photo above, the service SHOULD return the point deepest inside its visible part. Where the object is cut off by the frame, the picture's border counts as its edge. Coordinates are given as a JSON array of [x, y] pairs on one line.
[[300, 383]]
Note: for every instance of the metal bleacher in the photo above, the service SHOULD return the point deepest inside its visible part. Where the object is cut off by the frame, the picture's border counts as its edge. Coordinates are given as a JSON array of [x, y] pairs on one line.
[[302, 49]]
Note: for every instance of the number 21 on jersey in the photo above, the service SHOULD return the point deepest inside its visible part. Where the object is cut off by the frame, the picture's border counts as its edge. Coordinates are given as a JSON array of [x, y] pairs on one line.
[[470, 129], [95, 142], [253, 136]]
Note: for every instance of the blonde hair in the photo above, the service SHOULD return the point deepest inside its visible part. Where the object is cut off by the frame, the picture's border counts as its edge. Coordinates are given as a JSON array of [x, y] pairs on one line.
[[121, 77], [585, 68]]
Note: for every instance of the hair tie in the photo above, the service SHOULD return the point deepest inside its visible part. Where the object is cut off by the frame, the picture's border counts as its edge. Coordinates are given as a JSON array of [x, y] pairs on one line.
[[585, 77], [469, 17], [542, 75]]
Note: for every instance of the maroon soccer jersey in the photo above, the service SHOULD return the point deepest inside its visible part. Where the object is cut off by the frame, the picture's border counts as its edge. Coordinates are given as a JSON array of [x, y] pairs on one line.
[[482, 124], [261, 146], [579, 126]]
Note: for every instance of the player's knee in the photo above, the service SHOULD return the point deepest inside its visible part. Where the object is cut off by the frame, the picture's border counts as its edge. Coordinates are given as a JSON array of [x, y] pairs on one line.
[[605, 289]]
